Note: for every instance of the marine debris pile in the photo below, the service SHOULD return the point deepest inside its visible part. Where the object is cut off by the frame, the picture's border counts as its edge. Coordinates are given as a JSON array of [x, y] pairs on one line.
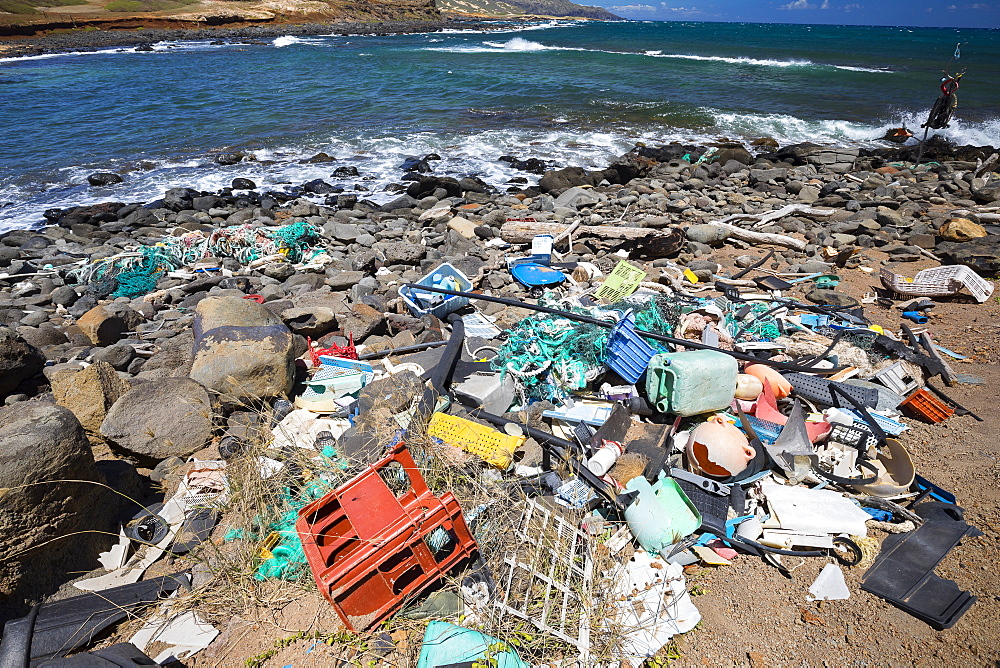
[[505, 428]]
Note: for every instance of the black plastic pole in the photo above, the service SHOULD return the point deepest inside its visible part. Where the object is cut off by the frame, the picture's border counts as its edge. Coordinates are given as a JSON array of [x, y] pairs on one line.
[[785, 366]]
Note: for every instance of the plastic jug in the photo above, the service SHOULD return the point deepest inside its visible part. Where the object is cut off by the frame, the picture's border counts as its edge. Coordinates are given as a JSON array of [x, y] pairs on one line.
[[691, 382]]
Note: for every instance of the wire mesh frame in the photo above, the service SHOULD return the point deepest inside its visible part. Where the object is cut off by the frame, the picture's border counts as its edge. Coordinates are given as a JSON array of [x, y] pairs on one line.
[[548, 576]]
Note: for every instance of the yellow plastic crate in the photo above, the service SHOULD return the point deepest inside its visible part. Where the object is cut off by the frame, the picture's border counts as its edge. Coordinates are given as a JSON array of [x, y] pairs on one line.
[[488, 444]]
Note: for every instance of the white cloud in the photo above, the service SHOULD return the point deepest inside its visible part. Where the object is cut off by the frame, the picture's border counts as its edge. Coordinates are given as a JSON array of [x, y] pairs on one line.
[[685, 10], [634, 8], [825, 5], [851, 7], [797, 4]]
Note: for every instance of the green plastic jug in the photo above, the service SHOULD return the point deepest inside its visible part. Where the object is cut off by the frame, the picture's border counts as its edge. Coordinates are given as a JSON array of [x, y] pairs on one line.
[[691, 382]]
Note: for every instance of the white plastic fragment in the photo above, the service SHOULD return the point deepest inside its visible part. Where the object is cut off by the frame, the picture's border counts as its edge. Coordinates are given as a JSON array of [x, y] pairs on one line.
[[185, 632], [300, 427], [814, 511], [829, 585], [116, 557], [653, 605]]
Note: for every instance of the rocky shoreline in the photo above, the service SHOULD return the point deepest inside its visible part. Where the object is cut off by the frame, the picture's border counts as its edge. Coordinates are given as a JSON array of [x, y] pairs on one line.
[[143, 373], [92, 40]]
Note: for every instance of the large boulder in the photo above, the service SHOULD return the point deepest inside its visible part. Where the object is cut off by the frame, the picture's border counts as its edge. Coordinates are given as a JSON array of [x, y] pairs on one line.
[[558, 180], [961, 229], [89, 393], [241, 349], [985, 192], [102, 326], [47, 531], [19, 361], [982, 254], [164, 418]]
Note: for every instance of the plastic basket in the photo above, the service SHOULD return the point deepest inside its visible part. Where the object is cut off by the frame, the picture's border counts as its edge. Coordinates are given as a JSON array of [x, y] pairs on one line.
[[924, 405], [424, 302], [381, 539], [488, 444], [938, 281], [627, 354]]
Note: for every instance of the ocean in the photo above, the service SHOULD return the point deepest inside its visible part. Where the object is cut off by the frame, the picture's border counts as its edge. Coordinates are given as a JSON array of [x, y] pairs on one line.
[[573, 93]]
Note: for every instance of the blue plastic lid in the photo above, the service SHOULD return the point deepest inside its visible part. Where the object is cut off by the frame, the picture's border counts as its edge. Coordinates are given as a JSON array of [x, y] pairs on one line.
[[532, 274]]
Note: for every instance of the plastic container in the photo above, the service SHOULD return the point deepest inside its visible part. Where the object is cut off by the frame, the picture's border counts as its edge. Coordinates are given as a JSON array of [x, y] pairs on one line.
[[627, 354], [938, 281], [605, 457], [924, 405], [485, 442], [423, 302], [896, 378], [691, 382], [380, 539], [662, 514]]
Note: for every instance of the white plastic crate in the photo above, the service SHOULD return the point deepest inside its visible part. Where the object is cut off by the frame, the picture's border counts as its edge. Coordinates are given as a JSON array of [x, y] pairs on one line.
[[938, 281]]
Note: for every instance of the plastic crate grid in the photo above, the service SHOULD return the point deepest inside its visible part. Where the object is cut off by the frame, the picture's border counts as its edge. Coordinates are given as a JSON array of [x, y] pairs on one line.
[[488, 444]]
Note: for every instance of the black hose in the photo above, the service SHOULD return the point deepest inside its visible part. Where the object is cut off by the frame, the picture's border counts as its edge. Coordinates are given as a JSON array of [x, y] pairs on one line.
[[602, 323], [402, 350], [439, 374]]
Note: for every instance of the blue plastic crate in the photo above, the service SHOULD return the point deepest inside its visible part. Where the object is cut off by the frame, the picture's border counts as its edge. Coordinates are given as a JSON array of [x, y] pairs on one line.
[[627, 354], [423, 302]]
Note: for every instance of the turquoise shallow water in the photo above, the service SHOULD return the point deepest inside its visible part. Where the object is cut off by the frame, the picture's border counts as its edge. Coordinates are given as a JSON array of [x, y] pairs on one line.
[[573, 93]]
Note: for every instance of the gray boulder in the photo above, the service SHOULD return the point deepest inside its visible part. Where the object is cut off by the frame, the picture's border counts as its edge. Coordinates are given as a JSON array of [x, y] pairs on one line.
[[241, 349], [982, 254], [577, 197], [985, 192], [159, 419], [19, 361], [707, 234], [89, 393], [47, 530]]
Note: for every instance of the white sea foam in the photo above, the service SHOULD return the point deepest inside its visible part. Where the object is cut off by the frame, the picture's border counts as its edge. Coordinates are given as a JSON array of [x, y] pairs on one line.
[[288, 40], [515, 45], [378, 158], [786, 129], [733, 61], [521, 45], [880, 70]]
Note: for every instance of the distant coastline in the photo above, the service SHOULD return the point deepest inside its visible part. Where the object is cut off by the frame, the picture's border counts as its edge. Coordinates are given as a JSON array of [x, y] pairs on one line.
[[89, 40]]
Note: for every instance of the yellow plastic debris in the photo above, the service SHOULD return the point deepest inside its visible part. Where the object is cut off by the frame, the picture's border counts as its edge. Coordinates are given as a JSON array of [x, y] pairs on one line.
[[488, 444]]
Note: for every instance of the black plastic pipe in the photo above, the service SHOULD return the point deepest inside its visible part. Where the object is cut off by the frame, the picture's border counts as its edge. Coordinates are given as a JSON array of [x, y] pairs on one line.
[[784, 366], [402, 350]]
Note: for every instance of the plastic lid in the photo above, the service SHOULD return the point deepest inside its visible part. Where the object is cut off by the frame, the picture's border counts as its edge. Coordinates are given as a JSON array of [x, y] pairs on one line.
[[532, 274]]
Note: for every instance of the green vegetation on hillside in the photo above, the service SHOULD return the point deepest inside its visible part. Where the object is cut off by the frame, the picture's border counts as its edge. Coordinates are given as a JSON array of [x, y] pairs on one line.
[[136, 6], [520, 7], [31, 6]]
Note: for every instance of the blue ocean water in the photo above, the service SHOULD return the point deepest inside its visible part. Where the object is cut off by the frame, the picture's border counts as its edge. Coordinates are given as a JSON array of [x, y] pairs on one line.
[[576, 93]]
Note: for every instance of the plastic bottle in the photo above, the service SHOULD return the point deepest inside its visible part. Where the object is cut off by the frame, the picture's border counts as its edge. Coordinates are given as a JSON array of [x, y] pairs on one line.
[[605, 458]]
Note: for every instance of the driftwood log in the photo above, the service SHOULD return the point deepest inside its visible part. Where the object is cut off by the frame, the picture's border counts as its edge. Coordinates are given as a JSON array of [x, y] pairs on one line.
[[761, 237], [644, 241]]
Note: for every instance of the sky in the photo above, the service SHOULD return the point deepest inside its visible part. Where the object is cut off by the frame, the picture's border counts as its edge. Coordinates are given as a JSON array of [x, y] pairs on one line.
[[924, 13]]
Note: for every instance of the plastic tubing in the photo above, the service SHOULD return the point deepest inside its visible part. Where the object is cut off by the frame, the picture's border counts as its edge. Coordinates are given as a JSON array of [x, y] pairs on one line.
[[602, 323]]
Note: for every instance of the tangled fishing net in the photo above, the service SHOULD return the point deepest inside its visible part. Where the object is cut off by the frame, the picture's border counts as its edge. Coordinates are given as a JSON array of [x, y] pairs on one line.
[[550, 356], [135, 273]]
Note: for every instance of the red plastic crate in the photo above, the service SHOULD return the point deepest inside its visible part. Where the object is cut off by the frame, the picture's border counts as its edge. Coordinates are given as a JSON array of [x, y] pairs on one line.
[[369, 542], [925, 405]]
